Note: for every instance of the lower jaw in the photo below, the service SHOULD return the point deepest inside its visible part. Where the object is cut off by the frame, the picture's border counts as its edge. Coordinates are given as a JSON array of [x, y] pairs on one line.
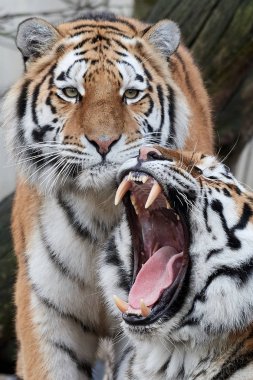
[[168, 306]]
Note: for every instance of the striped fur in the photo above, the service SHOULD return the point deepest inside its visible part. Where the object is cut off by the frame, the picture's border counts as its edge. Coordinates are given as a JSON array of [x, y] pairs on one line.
[[63, 210], [207, 334]]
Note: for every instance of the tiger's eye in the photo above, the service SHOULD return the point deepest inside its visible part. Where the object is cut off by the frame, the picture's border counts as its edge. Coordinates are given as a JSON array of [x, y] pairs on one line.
[[131, 93], [70, 92]]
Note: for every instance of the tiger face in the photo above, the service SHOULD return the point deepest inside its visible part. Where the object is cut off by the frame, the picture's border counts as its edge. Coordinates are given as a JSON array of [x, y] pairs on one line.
[[93, 92], [181, 261]]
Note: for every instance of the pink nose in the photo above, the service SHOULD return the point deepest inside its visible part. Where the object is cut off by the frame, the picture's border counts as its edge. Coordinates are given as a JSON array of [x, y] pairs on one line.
[[147, 153], [103, 143]]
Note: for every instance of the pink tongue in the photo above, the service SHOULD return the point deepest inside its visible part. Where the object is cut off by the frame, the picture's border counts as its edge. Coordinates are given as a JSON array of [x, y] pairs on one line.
[[157, 274]]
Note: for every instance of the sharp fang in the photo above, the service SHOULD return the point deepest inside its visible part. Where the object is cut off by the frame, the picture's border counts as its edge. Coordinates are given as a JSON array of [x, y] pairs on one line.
[[178, 218], [155, 191], [122, 189], [145, 311], [121, 305]]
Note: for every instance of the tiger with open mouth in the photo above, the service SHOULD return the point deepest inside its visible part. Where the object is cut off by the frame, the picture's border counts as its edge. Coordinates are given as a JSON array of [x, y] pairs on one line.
[[181, 267]]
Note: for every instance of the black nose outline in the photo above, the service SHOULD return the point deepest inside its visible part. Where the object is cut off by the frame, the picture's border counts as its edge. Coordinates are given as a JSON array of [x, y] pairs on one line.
[[92, 142]]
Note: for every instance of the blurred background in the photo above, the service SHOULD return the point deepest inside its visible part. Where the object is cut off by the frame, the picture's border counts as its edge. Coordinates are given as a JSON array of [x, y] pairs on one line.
[[220, 35]]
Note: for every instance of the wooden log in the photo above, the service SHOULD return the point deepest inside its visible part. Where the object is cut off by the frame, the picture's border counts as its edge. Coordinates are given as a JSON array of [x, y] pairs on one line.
[[220, 35]]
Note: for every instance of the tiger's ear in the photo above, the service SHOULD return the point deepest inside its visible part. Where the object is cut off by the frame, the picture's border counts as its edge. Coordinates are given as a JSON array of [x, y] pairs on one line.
[[35, 36], [164, 36]]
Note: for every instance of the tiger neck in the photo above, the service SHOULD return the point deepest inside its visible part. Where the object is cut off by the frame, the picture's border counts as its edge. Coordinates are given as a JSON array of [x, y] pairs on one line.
[[183, 361], [93, 205]]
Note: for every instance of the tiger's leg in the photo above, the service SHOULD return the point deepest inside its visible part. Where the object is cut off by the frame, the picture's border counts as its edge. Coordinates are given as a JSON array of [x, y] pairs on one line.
[[52, 345]]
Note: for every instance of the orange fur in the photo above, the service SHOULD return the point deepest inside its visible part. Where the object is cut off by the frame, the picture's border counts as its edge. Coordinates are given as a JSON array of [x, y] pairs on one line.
[[101, 104]]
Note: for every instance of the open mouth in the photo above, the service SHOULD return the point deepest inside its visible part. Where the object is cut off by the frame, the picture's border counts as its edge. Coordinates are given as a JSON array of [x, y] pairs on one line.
[[160, 244]]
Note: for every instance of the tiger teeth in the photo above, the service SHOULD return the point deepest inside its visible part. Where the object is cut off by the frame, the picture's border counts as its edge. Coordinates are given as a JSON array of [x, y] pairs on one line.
[[126, 185], [121, 305], [155, 191], [145, 310], [122, 189], [137, 177]]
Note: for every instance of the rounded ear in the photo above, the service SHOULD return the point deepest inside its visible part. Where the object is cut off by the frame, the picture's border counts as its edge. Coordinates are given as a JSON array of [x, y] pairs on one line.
[[164, 36], [35, 36]]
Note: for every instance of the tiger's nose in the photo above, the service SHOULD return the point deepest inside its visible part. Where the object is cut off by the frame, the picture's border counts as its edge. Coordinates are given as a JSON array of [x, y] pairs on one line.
[[103, 143], [148, 153]]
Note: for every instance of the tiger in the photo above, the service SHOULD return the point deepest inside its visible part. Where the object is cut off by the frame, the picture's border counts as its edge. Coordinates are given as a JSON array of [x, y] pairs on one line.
[[94, 90], [180, 267]]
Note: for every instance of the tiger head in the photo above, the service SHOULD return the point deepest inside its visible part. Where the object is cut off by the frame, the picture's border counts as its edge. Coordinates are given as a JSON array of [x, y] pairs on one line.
[[94, 90], [181, 261]]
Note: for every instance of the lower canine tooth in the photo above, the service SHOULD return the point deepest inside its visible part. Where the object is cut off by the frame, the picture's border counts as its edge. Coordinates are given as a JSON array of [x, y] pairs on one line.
[[155, 191], [121, 305], [145, 311], [122, 189], [167, 204]]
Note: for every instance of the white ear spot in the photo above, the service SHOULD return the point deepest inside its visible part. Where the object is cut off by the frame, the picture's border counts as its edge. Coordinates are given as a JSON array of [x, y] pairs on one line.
[[35, 36], [165, 36]]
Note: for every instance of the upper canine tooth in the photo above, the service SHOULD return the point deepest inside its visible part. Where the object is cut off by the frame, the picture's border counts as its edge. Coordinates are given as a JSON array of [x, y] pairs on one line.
[[130, 177], [145, 310], [122, 189], [121, 305], [155, 191]]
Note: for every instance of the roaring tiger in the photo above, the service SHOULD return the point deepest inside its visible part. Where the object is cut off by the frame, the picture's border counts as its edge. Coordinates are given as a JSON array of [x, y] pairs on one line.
[[181, 265], [95, 89]]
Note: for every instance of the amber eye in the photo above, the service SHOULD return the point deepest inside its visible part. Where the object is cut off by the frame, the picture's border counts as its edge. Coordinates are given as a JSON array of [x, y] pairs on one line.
[[70, 92], [131, 93]]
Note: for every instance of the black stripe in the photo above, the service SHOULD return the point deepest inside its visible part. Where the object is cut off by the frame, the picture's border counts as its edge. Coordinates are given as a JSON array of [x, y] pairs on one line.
[[77, 226], [96, 26], [240, 275], [129, 372], [73, 64], [121, 361], [126, 63], [233, 241], [151, 106], [146, 71], [213, 252], [171, 104], [208, 228], [161, 101], [82, 366], [230, 367], [58, 264], [39, 132], [120, 44], [131, 26], [50, 305], [61, 76], [187, 78], [36, 94], [113, 258], [22, 99], [139, 78], [120, 53]]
